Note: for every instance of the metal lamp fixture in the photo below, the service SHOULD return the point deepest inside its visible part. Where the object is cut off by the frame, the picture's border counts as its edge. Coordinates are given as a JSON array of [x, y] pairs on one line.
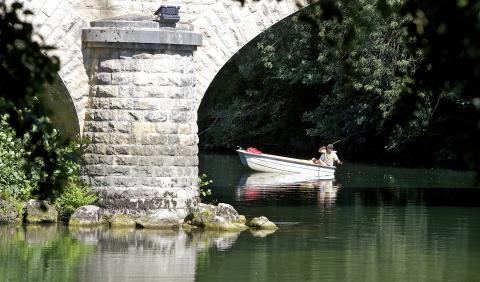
[[168, 13]]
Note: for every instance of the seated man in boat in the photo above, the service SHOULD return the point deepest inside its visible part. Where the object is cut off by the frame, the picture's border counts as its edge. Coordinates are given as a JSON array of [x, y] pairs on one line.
[[330, 156], [322, 151]]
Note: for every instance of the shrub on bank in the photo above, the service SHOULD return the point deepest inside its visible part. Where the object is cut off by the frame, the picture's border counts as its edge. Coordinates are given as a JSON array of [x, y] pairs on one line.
[[75, 195], [19, 176], [18, 179]]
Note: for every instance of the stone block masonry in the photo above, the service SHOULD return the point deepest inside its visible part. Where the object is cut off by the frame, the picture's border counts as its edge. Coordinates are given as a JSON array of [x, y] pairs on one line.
[[141, 118]]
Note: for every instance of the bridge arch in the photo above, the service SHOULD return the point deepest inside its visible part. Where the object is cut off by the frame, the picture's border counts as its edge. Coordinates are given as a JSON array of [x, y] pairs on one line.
[[226, 27], [60, 26]]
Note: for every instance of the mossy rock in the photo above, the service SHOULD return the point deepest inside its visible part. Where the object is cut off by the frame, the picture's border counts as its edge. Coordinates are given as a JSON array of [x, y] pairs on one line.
[[81, 223], [40, 212], [10, 212], [242, 219], [87, 216], [162, 219], [226, 226], [261, 223], [122, 221], [216, 218]]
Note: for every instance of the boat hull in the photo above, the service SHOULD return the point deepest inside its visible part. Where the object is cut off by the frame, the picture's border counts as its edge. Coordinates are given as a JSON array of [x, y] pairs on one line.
[[277, 164]]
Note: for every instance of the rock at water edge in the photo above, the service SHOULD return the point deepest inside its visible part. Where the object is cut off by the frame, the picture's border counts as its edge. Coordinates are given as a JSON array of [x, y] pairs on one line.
[[9, 212], [40, 212], [89, 215], [222, 218], [262, 223], [122, 221], [161, 219]]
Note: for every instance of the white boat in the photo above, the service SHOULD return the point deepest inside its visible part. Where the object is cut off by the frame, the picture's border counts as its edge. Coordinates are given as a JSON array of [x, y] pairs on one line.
[[271, 163]]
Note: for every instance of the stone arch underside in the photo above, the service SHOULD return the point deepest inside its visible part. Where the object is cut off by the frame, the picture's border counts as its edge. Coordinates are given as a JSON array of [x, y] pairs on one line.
[[59, 26], [226, 27], [61, 109]]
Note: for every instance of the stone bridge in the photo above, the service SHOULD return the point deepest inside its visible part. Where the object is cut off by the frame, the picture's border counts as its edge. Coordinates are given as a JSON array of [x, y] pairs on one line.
[[136, 96]]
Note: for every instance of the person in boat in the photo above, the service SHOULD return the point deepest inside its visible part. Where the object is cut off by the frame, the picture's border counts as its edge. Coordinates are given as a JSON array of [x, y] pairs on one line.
[[330, 156], [322, 151]]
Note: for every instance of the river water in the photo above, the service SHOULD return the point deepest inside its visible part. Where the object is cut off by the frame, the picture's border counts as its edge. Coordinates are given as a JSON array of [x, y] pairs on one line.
[[370, 224]]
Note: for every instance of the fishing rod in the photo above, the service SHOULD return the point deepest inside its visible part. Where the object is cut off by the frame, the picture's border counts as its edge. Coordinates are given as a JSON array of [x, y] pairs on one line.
[[349, 136]]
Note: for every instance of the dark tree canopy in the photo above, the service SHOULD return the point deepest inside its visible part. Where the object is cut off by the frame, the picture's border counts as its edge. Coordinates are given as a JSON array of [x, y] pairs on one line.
[[393, 80], [447, 33]]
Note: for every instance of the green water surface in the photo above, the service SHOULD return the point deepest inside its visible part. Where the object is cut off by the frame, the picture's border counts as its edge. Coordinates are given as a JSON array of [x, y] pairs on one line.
[[370, 224]]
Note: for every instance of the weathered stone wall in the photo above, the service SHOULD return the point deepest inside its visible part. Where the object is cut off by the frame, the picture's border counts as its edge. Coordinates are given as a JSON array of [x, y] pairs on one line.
[[141, 118]]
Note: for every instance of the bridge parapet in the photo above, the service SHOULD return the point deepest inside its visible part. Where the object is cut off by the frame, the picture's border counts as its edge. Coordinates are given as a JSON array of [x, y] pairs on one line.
[[141, 114]]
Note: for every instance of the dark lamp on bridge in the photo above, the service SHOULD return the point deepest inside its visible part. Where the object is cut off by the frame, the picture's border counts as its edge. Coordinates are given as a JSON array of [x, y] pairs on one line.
[[168, 13]]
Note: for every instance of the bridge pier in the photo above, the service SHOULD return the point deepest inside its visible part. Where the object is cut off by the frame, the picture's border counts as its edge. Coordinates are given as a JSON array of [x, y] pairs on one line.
[[141, 119]]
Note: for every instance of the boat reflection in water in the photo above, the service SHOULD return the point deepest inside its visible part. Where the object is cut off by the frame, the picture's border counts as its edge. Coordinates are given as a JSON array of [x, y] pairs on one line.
[[262, 186]]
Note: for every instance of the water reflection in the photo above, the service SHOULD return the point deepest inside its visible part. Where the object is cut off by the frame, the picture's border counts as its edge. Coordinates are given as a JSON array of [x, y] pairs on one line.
[[58, 253], [40, 253], [326, 193], [275, 179], [219, 241], [264, 186], [138, 255], [261, 233], [145, 254]]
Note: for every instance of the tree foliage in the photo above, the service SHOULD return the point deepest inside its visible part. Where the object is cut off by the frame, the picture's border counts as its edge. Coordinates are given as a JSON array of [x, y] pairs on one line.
[[331, 71], [390, 79], [16, 181]]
